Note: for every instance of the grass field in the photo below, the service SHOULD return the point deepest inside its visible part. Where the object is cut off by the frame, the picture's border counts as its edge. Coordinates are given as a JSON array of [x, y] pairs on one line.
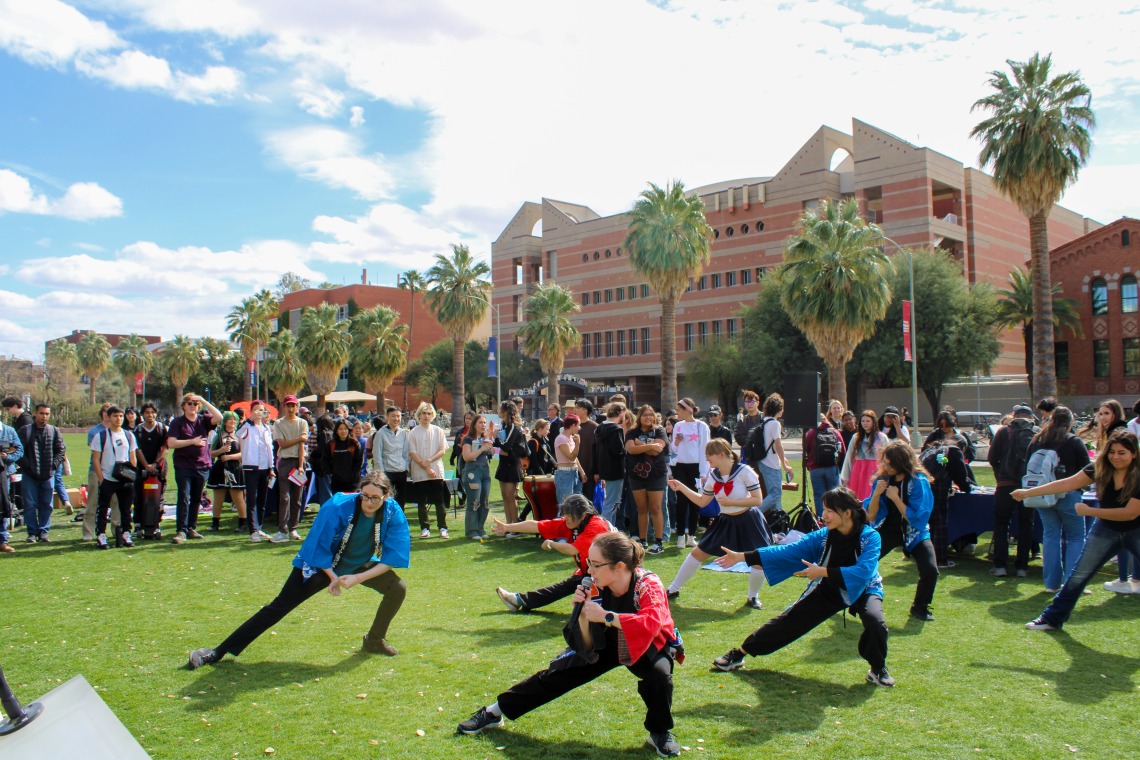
[[973, 683]]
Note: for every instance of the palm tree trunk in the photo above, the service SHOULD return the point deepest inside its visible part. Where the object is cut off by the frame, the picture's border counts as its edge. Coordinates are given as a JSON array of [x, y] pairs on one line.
[[552, 388], [1027, 342], [458, 382], [91, 389], [322, 405], [668, 354], [1044, 366], [837, 382], [179, 391]]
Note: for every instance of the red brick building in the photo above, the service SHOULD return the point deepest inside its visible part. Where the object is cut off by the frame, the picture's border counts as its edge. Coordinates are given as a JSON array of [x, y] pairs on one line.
[[112, 338], [1099, 272], [918, 196]]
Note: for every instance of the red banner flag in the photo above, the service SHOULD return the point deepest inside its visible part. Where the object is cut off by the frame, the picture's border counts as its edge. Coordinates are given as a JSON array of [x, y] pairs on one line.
[[138, 382], [907, 355]]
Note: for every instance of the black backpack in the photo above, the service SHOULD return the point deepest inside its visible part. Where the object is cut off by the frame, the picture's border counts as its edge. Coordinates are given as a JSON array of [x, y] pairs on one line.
[[758, 447], [935, 460], [825, 451], [1017, 453]]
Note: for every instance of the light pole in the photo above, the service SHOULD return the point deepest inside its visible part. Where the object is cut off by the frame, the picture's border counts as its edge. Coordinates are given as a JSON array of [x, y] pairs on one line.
[[913, 339], [498, 351]]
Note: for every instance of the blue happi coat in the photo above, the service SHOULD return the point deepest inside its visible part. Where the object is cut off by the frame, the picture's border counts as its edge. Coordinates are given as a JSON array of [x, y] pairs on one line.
[[782, 562], [919, 500], [328, 535]]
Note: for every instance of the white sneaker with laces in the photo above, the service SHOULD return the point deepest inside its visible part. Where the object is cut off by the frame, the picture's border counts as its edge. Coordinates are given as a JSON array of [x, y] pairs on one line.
[[1120, 587], [279, 537], [294, 535], [443, 533], [691, 541], [255, 537], [425, 533], [680, 540]]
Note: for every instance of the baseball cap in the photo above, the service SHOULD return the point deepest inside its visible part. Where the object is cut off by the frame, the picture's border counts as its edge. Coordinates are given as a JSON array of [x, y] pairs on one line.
[[290, 399], [1022, 409], [714, 409], [891, 410], [304, 410]]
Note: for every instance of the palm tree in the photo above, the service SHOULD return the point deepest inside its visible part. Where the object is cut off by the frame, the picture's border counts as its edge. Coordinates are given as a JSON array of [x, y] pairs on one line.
[[249, 327], [284, 372], [180, 358], [61, 362], [1037, 140], [548, 331], [131, 358], [94, 354], [414, 281], [458, 297], [668, 244], [323, 341], [1015, 309], [379, 348], [834, 284]]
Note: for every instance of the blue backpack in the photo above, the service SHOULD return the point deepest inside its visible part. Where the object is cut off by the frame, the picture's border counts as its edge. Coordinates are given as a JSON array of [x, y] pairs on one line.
[[1041, 469]]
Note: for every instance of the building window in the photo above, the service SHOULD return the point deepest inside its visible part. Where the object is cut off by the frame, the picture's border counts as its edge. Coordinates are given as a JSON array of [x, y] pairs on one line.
[[518, 308], [716, 329], [688, 289], [343, 377], [632, 341], [716, 281], [702, 282], [598, 345], [1061, 359], [1128, 300], [609, 296], [688, 336], [730, 326], [645, 340], [703, 332], [631, 292], [597, 296], [730, 279], [645, 291], [608, 253], [760, 273], [1101, 366], [744, 229], [518, 272], [745, 276], [341, 312], [621, 342], [609, 343], [621, 294], [1132, 357], [1099, 290], [586, 299], [1125, 238], [585, 346]]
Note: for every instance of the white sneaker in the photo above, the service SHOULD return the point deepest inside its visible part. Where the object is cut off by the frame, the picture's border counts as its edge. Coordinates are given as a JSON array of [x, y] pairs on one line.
[[255, 538], [680, 540], [692, 541], [263, 534], [1120, 587], [279, 537], [425, 533], [443, 533], [1135, 586], [294, 535]]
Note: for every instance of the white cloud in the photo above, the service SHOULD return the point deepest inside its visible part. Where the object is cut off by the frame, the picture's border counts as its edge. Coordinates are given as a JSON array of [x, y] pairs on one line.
[[82, 201], [50, 32], [317, 98], [333, 157], [357, 117], [391, 234], [135, 70]]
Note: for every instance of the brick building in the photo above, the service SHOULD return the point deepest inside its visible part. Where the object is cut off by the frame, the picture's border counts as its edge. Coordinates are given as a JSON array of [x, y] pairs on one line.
[[918, 196], [1099, 271], [112, 338]]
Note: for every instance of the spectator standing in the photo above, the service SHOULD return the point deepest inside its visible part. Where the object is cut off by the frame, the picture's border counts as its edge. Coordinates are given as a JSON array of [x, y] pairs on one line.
[[511, 441], [188, 437], [11, 450], [747, 420], [541, 445], [766, 449], [321, 434], [93, 481], [227, 474], [823, 452], [892, 425], [690, 467], [587, 433], [1046, 406], [648, 474], [943, 457], [1009, 452], [862, 459], [476, 480], [569, 473], [554, 421], [426, 446], [256, 441], [291, 434], [390, 454], [150, 435], [20, 417], [848, 429], [609, 460], [112, 447], [342, 458], [716, 425], [835, 415], [44, 451], [456, 459]]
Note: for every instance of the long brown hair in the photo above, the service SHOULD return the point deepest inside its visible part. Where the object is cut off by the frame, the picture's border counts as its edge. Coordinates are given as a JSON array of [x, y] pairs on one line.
[[618, 547], [1105, 470], [642, 410], [1117, 410], [901, 457], [860, 434], [1055, 429]]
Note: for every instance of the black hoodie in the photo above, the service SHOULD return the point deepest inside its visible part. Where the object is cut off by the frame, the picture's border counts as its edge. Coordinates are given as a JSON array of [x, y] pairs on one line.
[[609, 451]]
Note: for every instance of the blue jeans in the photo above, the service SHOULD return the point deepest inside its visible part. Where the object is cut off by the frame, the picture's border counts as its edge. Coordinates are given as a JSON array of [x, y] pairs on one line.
[[60, 488], [476, 484], [37, 495], [773, 481], [1128, 565], [190, 481], [1057, 520], [566, 482], [612, 503], [1101, 543], [823, 479]]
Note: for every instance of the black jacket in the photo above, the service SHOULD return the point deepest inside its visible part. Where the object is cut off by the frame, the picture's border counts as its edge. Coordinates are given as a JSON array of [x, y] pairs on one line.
[[43, 451], [609, 451]]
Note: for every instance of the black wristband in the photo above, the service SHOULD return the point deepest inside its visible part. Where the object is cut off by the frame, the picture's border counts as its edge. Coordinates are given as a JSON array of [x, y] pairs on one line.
[[752, 557]]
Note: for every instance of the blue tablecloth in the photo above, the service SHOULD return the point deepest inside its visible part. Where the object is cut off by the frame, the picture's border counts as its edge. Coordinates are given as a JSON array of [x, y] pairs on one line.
[[973, 513]]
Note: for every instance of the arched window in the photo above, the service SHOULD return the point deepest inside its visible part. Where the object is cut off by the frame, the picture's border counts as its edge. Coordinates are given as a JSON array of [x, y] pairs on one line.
[[1099, 290], [1128, 297]]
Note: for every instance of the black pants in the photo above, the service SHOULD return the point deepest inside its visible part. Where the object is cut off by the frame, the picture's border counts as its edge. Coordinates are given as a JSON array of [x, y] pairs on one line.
[[812, 610], [655, 685], [532, 600], [296, 590], [923, 555], [256, 495], [1005, 510], [940, 527], [126, 492], [685, 516], [399, 481], [429, 492]]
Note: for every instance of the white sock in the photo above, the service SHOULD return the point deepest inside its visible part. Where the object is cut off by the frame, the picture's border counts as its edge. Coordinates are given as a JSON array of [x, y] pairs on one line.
[[755, 581], [688, 569], [494, 710]]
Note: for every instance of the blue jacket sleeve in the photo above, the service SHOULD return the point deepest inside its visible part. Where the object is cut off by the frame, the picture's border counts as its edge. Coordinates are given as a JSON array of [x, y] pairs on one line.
[[396, 543], [781, 562], [920, 503], [321, 544], [863, 576]]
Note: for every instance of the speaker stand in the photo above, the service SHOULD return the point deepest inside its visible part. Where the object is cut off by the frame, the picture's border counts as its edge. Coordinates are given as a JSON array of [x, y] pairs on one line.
[[803, 471]]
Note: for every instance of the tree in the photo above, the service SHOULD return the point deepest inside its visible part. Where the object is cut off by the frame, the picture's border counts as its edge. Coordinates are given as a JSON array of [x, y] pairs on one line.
[[180, 358], [717, 369], [322, 344], [1015, 309], [414, 281], [290, 282], [834, 284], [222, 370], [668, 243], [771, 344], [379, 348], [283, 368], [548, 331], [249, 326], [458, 297], [1037, 139], [61, 362], [94, 354], [132, 357], [957, 335]]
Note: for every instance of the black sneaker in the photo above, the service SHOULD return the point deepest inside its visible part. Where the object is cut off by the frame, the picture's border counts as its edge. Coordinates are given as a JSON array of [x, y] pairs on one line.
[[671, 594], [665, 744], [730, 660], [478, 722], [656, 549], [200, 657], [754, 602], [880, 677], [924, 615], [378, 646]]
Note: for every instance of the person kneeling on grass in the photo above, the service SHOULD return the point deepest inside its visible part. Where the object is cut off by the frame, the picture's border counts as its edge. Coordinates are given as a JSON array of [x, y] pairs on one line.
[[736, 488], [356, 538], [624, 620], [579, 525], [842, 563]]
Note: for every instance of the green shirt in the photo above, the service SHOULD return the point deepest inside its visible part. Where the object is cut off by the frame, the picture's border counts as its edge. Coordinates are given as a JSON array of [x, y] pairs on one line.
[[361, 544]]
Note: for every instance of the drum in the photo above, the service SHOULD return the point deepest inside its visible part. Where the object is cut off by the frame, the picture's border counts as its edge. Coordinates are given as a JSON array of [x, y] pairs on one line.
[[543, 498]]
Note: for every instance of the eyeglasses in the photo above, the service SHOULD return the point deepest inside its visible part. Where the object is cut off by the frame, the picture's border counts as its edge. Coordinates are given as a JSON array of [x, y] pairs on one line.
[[374, 499], [749, 401], [595, 565]]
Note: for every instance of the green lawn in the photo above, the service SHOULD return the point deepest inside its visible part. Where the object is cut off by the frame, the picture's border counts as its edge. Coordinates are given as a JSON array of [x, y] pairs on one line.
[[974, 683]]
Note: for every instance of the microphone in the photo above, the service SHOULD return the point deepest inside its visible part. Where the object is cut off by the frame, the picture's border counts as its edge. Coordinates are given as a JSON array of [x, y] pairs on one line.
[[586, 585]]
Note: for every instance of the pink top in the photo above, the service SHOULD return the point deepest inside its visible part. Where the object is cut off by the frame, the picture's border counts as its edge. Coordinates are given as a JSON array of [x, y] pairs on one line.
[[559, 442]]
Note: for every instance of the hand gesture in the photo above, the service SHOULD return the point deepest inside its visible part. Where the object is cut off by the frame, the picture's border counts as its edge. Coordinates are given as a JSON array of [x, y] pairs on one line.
[[1020, 494], [880, 487], [547, 544], [674, 484], [1084, 510], [334, 587], [581, 595], [594, 613], [199, 441], [348, 581], [893, 493], [811, 570], [730, 558], [498, 527]]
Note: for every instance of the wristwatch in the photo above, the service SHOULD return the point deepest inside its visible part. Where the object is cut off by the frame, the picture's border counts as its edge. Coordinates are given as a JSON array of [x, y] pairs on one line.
[[610, 618]]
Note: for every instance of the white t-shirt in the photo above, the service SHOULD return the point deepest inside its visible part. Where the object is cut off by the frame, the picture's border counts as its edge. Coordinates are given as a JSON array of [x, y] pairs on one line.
[[691, 450], [772, 433], [119, 448], [738, 484], [1134, 426]]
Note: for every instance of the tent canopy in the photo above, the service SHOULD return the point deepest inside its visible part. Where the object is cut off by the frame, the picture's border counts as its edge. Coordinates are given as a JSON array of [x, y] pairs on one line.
[[337, 397]]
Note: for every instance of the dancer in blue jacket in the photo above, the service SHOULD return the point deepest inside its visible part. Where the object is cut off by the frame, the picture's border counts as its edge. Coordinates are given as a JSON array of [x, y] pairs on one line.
[[841, 562], [356, 538]]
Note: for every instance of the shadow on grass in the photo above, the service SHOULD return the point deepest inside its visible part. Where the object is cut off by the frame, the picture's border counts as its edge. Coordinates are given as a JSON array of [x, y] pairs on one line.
[[784, 704], [1092, 675], [1090, 608], [533, 626], [525, 746], [222, 683]]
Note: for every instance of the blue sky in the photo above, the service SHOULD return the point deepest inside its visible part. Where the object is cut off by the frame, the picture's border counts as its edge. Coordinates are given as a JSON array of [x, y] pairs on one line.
[[161, 159]]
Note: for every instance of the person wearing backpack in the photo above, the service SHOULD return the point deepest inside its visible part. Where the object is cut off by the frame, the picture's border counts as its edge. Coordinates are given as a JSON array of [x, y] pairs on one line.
[[1009, 453], [945, 460], [1054, 453], [823, 452], [765, 452]]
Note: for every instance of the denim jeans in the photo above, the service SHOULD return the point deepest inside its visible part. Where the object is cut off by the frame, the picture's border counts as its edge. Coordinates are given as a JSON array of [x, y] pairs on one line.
[[60, 488], [823, 479], [1057, 520], [773, 485], [566, 482], [1101, 543], [190, 482], [476, 482], [37, 495], [612, 505]]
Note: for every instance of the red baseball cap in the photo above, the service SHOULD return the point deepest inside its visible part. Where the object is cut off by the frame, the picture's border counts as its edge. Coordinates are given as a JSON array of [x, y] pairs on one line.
[[290, 399]]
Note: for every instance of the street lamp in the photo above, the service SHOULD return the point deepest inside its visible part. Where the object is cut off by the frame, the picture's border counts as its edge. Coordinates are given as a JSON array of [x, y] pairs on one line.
[[913, 338]]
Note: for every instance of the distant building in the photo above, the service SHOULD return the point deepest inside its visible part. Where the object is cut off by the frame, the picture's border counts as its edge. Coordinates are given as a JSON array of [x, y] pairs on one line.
[[113, 338], [918, 196]]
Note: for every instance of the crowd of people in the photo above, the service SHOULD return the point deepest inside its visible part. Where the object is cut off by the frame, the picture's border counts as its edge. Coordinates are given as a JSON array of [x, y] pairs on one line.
[[626, 480]]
